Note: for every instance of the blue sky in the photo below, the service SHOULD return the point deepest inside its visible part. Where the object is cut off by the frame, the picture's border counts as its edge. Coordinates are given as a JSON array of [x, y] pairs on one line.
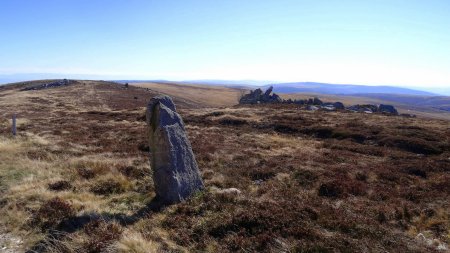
[[378, 42]]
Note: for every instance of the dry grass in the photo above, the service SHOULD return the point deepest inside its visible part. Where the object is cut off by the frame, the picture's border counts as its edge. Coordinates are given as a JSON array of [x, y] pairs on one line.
[[133, 242], [309, 181], [204, 95]]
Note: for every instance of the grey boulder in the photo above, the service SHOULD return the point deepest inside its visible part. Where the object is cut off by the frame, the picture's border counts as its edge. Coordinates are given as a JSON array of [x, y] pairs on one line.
[[175, 171], [387, 109]]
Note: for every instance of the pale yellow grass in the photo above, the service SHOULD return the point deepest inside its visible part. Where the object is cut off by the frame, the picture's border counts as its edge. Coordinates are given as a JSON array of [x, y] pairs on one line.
[[285, 145], [212, 96], [24, 184], [134, 242], [152, 229]]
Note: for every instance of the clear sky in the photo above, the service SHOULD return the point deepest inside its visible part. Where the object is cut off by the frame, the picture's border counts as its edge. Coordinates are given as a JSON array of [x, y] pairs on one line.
[[382, 42]]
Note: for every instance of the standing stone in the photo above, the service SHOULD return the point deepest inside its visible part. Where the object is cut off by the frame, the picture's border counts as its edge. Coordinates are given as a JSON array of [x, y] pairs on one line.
[[175, 171]]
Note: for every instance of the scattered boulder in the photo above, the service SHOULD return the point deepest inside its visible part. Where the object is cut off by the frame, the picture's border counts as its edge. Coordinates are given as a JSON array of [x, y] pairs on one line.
[[312, 108], [175, 171], [387, 109], [288, 101], [339, 106], [333, 106], [329, 107], [368, 108], [365, 108], [299, 102], [258, 181], [373, 108], [353, 108]]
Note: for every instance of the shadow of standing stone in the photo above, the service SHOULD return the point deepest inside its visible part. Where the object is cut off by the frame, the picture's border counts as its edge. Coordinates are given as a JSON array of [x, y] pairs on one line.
[[175, 171]]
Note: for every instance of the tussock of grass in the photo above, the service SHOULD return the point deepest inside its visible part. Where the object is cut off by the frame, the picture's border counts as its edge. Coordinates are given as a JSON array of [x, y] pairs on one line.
[[132, 242], [110, 185], [52, 212], [100, 235], [60, 185]]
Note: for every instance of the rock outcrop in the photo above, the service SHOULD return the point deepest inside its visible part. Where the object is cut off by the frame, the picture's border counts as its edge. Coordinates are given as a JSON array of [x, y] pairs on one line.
[[64, 82], [333, 106], [175, 171], [258, 97], [363, 108], [313, 104]]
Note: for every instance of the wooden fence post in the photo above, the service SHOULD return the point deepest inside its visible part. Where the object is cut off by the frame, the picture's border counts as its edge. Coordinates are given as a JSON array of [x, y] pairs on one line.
[[14, 129]]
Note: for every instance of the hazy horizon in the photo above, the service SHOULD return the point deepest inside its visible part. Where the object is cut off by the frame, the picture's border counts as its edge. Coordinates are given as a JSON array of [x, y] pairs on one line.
[[256, 83], [393, 43]]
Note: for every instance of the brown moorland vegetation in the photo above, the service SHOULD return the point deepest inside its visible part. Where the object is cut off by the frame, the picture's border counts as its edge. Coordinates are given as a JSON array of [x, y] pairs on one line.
[[77, 177]]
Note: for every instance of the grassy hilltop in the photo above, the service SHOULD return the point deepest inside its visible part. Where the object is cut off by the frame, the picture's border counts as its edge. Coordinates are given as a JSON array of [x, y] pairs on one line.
[[77, 177]]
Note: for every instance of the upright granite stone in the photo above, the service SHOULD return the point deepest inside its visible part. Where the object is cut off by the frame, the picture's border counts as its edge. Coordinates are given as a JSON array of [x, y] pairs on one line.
[[175, 171]]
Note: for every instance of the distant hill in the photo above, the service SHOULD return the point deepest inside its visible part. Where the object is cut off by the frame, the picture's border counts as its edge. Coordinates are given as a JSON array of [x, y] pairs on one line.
[[236, 83], [435, 102], [284, 88], [214, 95], [344, 89], [314, 87]]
